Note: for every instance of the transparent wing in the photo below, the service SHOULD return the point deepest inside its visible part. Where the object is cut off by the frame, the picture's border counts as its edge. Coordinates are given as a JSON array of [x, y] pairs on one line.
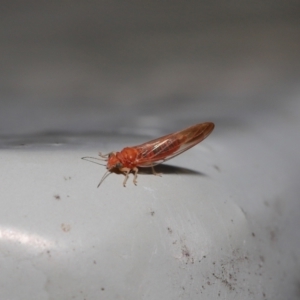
[[164, 148]]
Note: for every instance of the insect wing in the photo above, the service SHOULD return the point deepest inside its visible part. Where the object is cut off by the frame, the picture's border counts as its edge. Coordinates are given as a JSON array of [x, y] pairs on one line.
[[159, 150]]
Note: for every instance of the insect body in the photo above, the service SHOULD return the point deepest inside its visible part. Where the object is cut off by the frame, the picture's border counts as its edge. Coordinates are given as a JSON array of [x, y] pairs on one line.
[[154, 152]]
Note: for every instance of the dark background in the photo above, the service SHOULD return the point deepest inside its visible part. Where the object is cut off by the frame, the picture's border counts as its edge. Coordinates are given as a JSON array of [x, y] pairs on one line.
[[144, 66]]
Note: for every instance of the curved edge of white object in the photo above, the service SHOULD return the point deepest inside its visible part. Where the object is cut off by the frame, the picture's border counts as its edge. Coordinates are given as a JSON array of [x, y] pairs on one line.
[[213, 226]]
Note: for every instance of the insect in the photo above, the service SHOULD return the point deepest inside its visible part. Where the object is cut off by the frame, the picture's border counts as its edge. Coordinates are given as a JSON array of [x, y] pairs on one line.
[[154, 152]]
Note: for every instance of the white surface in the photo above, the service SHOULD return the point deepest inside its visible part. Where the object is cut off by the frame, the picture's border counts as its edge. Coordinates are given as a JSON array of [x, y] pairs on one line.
[[223, 220], [217, 225]]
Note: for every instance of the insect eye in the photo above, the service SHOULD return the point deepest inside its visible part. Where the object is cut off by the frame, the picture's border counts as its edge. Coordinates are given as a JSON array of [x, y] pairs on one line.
[[119, 165], [111, 154]]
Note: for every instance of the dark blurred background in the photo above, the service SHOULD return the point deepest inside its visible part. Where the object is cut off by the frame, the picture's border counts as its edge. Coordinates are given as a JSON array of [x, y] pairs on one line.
[[143, 66]]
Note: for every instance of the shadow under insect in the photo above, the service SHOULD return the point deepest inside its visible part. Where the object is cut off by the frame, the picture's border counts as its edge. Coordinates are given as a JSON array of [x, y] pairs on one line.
[[169, 169], [158, 170]]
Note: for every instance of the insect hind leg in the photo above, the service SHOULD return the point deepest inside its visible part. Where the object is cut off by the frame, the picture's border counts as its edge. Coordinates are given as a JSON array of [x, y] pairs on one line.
[[154, 172]]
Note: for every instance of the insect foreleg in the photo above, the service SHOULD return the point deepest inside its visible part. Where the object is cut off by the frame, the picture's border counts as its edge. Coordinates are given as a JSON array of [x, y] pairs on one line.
[[103, 155]]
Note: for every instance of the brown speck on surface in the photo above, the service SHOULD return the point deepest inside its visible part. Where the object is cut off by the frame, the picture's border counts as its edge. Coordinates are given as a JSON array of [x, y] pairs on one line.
[[185, 251], [102, 289], [253, 234], [57, 197], [67, 177], [273, 235], [65, 227], [225, 282], [187, 254], [244, 212], [152, 213], [217, 168], [229, 270], [262, 258], [170, 230], [94, 262]]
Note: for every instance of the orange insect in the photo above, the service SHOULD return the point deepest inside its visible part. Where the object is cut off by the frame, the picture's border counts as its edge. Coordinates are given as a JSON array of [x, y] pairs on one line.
[[154, 152]]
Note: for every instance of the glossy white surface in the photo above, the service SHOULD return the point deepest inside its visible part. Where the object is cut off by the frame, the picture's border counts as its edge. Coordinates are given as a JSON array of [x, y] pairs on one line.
[[215, 225], [82, 77]]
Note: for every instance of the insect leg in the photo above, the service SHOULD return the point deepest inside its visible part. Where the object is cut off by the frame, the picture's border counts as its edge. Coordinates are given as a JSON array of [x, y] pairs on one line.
[[154, 173], [103, 155], [126, 173], [135, 169]]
